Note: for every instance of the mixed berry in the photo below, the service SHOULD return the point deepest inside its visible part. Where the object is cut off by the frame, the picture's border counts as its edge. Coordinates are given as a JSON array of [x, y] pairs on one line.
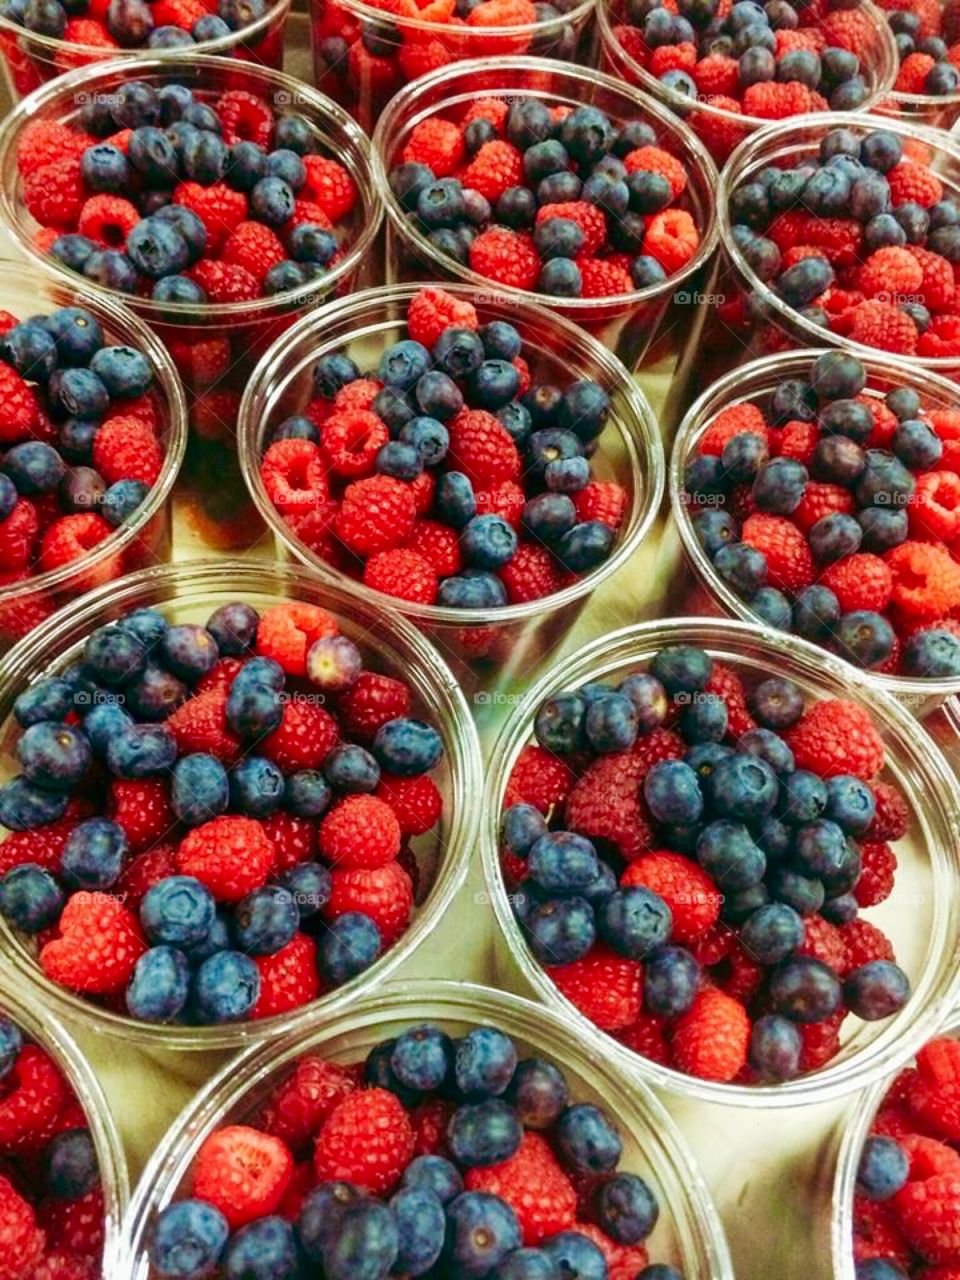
[[831, 509], [363, 61], [906, 1209], [763, 61], [688, 856], [860, 238], [51, 1200], [440, 1156], [927, 35], [446, 475], [558, 200], [82, 429], [214, 823]]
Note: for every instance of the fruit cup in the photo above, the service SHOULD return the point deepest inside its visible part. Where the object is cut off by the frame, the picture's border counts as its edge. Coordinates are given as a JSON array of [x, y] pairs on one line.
[[927, 87], [688, 1235], [149, 824], [896, 1170], [869, 569], [621, 299], [707, 96], [364, 53], [252, 290], [620, 809], [39, 577], [82, 1149], [824, 302], [32, 57], [484, 644]]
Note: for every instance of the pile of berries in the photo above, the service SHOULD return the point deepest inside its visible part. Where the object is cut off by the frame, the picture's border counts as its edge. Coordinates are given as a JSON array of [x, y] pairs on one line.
[[363, 62], [558, 200], [906, 1209], [862, 239], [765, 61], [435, 1157], [833, 511], [928, 42], [160, 193], [81, 429], [688, 857], [51, 1201], [446, 476], [213, 823]]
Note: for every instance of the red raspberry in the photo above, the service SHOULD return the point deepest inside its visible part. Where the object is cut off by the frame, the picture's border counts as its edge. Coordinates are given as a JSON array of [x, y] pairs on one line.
[[731, 422], [926, 579], [934, 1097], [402, 573], [935, 510], [288, 979], [941, 338], [230, 855], [913, 72], [646, 1037], [877, 1234], [219, 208], [892, 816], [377, 514], [719, 133], [178, 13], [937, 288], [108, 220], [142, 807], [588, 217], [672, 238], [360, 832], [34, 1095], [538, 778], [18, 535], [294, 475], [672, 57], [43, 846], [653, 159], [200, 724], [743, 977], [225, 281], [946, 424], [127, 449], [366, 1139], [725, 682], [497, 166], [789, 562], [359, 394], [66, 1265], [710, 1040], [690, 894], [245, 118], [330, 186], [821, 499], [863, 942], [605, 987], [385, 895], [432, 310], [860, 581], [879, 868], [351, 439], [294, 839], [483, 448], [795, 440], [99, 945], [53, 194], [21, 1240], [929, 1157], [602, 500], [606, 804], [438, 144], [890, 271], [220, 676], [254, 247], [74, 1226], [304, 738], [416, 802], [911, 182], [438, 544], [534, 1185], [835, 736], [532, 574], [242, 1172], [286, 632], [506, 500], [824, 942], [882, 325], [372, 701], [506, 257], [624, 1262], [307, 211], [19, 411], [603, 278], [929, 1216], [42, 141], [71, 539], [298, 1107], [145, 870], [717, 73]]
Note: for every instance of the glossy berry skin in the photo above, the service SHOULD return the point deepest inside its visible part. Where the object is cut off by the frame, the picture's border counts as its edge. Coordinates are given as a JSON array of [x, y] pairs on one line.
[[421, 1058], [626, 1208], [775, 1048], [484, 1062], [883, 1168], [30, 898], [350, 945], [538, 1092], [262, 1250], [226, 987], [188, 1239], [587, 1140], [482, 1231], [160, 986], [483, 1133]]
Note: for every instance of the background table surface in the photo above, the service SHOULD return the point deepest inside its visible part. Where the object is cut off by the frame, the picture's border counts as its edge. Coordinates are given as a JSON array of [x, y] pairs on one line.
[[771, 1173]]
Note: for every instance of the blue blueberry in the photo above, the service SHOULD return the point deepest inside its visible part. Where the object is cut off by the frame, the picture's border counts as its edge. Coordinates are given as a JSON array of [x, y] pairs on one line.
[[349, 945], [482, 1230], [820, 848], [626, 1208], [30, 900], [11, 1045], [421, 1058], [483, 1133], [256, 786], [932, 654], [156, 248], [876, 990], [671, 978], [31, 348], [438, 396], [188, 1240], [649, 698], [421, 1228], [122, 500], [538, 1093], [266, 920], [142, 750], [54, 755], [548, 517], [772, 933], [586, 1140], [803, 797], [484, 1062], [883, 1169], [727, 852], [433, 1174], [113, 270], [776, 703], [94, 854], [160, 986], [742, 787], [562, 862], [225, 988], [575, 1256], [850, 803], [804, 990], [525, 1264], [35, 467], [306, 793], [775, 1048], [265, 1249], [704, 719], [178, 912], [634, 921], [105, 168], [407, 747], [254, 708], [672, 792], [561, 930]]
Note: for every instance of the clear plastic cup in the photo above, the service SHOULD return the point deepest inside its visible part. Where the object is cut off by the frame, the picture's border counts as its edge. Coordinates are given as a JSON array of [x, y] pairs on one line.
[[344, 31], [753, 384], [920, 916], [688, 1235], [856, 1129], [719, 129], [30, 60], [765, 323], [627, 323], [145, 538], [189, 592], [483, 646], [17, 1004], [215, 345]]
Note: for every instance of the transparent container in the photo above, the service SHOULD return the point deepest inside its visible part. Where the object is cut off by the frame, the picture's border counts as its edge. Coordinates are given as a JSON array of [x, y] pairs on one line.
[[856, 1129], [30, 60], [38, 1026], [768, 324], [627, 323], [689, 1234], [920, 917], [720, 130], [145, 538], [189, 592], [483, 646], [753, 384], [406, 46], [216, 345]]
